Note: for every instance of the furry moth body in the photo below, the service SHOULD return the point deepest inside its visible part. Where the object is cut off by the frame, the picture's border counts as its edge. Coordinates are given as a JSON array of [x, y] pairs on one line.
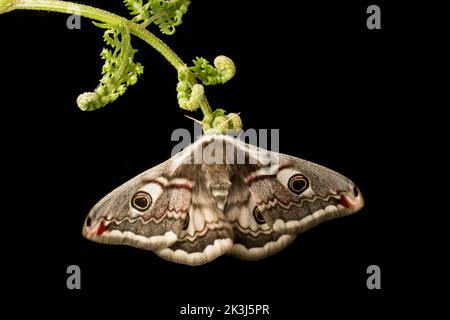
[[200, 204]]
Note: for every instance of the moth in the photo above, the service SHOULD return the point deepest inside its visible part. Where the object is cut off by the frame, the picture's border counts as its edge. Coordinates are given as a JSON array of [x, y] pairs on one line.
[[221, 196]]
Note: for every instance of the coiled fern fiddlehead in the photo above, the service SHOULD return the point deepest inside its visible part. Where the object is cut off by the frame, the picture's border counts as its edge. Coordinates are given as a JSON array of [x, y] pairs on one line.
[[119, 69]]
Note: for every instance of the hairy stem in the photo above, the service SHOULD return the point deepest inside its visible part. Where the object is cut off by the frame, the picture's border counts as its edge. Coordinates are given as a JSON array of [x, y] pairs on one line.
[[107, 17]]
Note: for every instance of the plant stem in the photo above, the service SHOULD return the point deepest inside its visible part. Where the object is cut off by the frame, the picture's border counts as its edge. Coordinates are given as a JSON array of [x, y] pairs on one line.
[[107, 17]]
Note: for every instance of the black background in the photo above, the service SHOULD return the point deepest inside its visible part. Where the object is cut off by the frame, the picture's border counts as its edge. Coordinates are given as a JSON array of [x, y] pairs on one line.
[[342, 96]]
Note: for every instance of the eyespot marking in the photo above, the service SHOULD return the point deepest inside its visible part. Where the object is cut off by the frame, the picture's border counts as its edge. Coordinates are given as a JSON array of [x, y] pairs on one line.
[[295, 181], [259, 218], [141, 201], [298, 183]]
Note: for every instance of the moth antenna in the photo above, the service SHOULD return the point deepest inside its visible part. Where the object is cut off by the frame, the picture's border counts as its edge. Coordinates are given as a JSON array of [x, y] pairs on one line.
[[231, 118], [198, 121]]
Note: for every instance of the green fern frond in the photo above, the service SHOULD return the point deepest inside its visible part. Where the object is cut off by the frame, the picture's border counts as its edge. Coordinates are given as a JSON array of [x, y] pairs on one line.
[[139, 10], [119, 70], [166, 14], [222, 122], [7, 5], [223, 70], [189, 97]]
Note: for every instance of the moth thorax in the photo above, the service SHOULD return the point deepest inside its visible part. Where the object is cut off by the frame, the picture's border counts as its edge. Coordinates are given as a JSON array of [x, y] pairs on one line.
[[218, 182]]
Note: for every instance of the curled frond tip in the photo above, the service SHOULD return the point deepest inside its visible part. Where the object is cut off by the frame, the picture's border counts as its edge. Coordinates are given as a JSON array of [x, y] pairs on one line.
[[119, 69]]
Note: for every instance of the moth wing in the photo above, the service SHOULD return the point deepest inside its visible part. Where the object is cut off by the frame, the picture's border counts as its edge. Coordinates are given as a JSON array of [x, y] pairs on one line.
[[147, 212], [269, 205], [254, 235]]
